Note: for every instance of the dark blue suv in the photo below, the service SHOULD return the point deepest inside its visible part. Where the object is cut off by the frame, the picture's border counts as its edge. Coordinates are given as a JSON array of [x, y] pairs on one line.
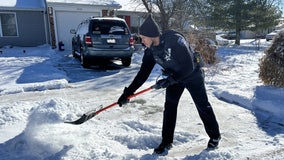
[[102, 38]]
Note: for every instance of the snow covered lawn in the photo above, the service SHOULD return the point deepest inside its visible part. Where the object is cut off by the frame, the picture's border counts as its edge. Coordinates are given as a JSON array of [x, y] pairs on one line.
[[40, 88]]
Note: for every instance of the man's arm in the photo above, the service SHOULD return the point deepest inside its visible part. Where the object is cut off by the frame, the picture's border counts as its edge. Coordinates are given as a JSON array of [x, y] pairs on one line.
[[147, 65]]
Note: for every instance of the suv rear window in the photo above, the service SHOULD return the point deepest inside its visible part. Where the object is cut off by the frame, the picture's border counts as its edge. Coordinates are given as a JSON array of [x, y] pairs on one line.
[[109, 27]]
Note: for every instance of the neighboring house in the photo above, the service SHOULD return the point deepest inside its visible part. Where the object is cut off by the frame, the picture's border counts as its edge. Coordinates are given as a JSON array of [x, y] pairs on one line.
[[132, 18], [134, 13], [65, 15], [281, 24], [23, 23], [250, 34]]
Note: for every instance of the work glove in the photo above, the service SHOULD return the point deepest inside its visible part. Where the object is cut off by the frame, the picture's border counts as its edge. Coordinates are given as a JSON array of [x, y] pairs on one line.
[[164, 83], [123, 99]]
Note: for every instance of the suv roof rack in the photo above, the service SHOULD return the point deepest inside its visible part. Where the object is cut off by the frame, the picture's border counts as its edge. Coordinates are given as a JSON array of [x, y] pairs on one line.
[[99, 17]]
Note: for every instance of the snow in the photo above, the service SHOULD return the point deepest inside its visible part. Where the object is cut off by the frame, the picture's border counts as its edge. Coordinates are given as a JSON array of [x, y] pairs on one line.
[[110, 3], [23, 3], [41, 88]]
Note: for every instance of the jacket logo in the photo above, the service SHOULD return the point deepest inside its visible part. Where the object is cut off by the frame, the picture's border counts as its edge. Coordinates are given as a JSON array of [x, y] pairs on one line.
[[168, 54]]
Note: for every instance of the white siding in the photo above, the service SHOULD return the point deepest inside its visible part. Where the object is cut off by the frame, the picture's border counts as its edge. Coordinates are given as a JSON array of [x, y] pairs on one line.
[[66, 20]]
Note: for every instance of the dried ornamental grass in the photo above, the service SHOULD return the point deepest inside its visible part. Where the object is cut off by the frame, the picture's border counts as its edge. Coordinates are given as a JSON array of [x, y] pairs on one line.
[[272, 63], [205, 45]]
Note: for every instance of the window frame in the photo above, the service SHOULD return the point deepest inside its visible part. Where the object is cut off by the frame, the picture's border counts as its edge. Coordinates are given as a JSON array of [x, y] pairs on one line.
[[16, 24]]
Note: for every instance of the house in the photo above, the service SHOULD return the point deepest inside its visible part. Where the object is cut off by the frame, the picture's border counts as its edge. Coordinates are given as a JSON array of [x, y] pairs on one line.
[[281, 24], [134, 13], [23, 23], [65, 15]]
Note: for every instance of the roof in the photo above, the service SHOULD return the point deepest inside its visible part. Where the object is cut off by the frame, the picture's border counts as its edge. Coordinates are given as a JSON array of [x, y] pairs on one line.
[[107, 3], [23, 4]]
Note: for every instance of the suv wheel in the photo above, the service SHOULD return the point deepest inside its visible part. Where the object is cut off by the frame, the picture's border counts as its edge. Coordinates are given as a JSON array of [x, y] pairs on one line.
[[126, 61], [74, 53], [74, 50], [84, 61]]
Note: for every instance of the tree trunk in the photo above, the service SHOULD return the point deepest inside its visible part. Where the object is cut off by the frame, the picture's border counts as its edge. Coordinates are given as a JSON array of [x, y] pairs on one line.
[[238, 18], [238, 33]]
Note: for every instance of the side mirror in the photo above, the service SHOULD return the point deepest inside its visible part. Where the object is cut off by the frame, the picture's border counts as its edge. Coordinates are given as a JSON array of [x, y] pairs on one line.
[[72, 31]]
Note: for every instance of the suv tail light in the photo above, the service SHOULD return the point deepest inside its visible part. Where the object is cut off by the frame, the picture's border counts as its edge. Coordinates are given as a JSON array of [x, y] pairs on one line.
[[131, 41], [88, 40]]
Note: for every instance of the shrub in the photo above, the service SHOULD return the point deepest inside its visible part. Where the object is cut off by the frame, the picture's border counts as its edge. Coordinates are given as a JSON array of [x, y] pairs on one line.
[[204, 43], [272, 63]]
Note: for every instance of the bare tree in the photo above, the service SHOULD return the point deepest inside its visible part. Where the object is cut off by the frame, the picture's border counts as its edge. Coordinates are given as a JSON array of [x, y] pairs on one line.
[[174, 14]]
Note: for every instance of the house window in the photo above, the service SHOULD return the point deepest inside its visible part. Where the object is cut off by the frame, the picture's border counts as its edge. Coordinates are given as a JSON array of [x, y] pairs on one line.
[[8, 25]]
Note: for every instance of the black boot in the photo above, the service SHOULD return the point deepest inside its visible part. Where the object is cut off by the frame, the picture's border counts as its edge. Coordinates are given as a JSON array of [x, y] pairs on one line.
[[162, 148], [213, 143]]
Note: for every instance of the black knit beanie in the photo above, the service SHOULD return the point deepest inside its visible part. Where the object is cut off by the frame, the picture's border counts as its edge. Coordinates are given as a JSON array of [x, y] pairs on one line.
[[149, 28]]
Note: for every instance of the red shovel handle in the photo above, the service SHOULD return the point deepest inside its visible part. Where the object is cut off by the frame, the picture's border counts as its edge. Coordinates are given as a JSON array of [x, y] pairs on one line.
[[131, 96], [85, 117]]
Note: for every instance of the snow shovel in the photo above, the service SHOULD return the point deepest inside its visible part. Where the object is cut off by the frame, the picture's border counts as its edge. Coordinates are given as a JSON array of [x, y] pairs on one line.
[[85, 117]]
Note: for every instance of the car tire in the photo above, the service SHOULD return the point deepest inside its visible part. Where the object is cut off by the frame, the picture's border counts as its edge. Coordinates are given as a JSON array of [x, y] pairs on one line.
[[84, 61], [126, 61], [74, 53]]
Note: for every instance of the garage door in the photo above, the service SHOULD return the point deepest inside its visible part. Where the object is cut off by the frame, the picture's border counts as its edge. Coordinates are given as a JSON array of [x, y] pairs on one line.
[[66, 20]]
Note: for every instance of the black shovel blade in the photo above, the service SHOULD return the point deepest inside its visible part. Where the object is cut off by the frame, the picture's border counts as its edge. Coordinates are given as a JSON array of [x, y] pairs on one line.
[[85, 117]]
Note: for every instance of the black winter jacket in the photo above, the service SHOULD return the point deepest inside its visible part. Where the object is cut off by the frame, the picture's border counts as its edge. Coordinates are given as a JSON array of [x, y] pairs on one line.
[[173, 53]]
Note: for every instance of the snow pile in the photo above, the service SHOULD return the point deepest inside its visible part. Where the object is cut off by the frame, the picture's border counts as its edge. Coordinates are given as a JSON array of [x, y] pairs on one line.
[[238, 64], [270, 100], [37, 139], [31, 69]]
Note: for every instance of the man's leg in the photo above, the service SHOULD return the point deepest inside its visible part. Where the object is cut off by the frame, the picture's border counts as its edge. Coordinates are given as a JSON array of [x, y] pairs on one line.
[[173, 94], [198, 93]]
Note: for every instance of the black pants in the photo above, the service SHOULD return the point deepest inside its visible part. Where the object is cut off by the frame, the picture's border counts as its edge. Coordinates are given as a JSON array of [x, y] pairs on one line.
[[196, 88]]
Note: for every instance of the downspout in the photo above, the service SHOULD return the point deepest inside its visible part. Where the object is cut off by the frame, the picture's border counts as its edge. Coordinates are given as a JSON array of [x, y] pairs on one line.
[[46, 22]]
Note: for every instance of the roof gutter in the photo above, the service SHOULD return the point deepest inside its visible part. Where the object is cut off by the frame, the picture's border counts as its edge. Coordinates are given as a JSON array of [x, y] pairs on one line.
[[21, 9], [118, 6]]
